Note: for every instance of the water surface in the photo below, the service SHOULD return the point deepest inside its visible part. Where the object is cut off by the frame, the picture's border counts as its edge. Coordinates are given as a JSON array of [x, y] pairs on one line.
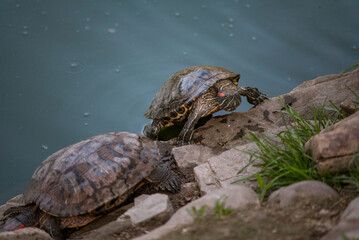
[[74, 69]]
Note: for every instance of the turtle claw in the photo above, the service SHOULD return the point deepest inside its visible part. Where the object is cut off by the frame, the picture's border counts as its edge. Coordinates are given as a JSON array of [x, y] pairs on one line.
[[261, 98], [174, 185], [254, 96]]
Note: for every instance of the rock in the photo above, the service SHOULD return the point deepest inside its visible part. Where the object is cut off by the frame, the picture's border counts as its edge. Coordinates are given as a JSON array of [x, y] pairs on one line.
[[348, 107], [156, 207], [110, 231], [235, 164], [333, 149], [232, 129], [352, 211], [348, 225], [191, 191], [238, 197], [222, 170], [205, 179], [349, 229], [26, 233], [138, 200], [308, 191], [190, 156]]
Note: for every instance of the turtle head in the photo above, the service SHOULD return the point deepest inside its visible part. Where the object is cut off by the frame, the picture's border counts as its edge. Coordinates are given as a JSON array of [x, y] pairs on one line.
[[152, 130], [228, 101]]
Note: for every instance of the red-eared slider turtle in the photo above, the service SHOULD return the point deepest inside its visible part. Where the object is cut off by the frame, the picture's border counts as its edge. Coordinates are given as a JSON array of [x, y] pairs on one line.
[[194, 93], [77, 184]]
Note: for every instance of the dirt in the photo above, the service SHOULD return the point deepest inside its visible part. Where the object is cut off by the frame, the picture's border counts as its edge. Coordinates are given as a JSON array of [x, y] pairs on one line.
[[302, 221]]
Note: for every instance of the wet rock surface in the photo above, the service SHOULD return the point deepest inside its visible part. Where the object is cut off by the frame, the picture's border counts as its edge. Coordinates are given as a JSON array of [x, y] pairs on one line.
[[210, 167]]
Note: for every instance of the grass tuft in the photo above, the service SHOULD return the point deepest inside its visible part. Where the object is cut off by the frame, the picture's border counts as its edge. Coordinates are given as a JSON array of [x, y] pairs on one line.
[[220, 211], [197, 214], [282, 155]]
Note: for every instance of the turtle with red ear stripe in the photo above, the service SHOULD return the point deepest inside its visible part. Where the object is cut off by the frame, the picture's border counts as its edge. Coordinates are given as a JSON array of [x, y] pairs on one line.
[[193, 93]]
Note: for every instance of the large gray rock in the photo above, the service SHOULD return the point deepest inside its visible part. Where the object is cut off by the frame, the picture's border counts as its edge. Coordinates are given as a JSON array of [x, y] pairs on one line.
[[190, 156], [333, 149], [223, 170], [26, 233], [156, 207], [237, 197], [232, 129], [304, 191]]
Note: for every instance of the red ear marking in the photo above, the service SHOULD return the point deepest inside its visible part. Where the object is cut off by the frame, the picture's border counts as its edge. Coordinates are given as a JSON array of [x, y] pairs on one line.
[[20, 227], [221, 94]]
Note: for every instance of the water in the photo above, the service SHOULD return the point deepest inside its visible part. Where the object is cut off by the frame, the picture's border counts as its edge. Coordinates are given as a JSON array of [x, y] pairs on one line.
[[74, 69]]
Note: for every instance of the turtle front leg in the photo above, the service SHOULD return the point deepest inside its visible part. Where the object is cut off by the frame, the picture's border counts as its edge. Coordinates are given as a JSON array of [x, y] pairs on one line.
[[51, 225], [254, 96], [152, 130], [167, 179], [202, 108]]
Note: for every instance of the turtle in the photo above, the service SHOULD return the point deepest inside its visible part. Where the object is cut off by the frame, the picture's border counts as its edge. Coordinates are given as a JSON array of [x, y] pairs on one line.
[[82, 182], [193, 93]]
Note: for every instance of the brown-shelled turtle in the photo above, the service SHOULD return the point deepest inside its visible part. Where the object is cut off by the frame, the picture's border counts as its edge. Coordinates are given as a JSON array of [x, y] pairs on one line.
[[193, 93], [79, 183]]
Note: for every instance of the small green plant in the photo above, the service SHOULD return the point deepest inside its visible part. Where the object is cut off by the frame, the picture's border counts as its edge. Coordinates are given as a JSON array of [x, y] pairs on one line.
[[197, 214], [220, 211], [263, 186]]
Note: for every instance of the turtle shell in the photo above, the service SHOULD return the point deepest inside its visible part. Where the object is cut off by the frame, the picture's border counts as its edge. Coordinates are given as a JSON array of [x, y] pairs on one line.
[[184, 86], [91, 173]]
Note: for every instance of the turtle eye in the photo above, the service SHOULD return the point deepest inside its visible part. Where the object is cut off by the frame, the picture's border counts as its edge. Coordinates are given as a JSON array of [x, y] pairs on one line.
[[221, 94]]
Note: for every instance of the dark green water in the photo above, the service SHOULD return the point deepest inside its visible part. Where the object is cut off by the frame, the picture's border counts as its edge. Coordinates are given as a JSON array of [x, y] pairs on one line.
[[74, 69]]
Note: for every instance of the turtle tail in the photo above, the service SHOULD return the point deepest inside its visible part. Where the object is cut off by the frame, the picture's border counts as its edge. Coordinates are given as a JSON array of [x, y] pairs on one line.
[[19, 217], [30, 216]]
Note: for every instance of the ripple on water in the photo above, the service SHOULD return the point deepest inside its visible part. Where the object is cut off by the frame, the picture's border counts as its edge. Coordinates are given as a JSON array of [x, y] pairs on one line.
[[75, 67]]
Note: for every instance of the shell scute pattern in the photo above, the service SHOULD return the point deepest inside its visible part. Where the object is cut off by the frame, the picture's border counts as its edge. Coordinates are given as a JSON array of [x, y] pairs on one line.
[[91, 173], [184, 87]]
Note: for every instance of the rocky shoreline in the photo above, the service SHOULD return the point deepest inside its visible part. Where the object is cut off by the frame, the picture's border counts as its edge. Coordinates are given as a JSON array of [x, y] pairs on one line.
[[211, 166]]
